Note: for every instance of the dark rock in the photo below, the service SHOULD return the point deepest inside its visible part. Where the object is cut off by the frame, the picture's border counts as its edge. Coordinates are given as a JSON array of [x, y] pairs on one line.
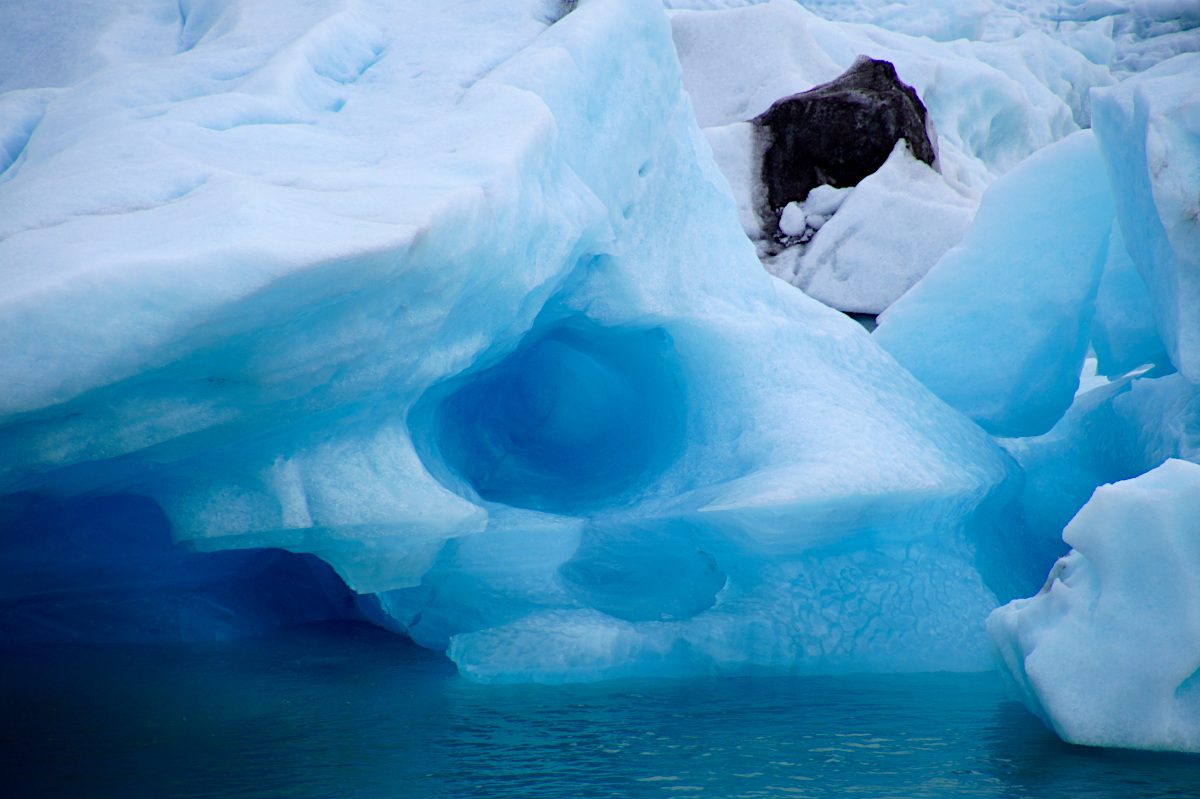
[[839, 132]]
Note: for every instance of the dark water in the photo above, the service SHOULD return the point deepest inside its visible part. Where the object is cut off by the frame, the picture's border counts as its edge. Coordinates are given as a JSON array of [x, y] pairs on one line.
[[345, 710]]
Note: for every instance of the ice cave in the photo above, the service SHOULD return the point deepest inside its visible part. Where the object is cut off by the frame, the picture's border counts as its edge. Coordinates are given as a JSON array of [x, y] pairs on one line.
[[621, 359]]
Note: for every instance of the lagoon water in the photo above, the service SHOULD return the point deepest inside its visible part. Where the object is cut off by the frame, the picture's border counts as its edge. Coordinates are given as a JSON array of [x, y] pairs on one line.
[[347, 710]]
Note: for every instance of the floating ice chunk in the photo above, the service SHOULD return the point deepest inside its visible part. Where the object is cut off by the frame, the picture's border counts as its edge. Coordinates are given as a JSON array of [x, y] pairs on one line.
[[886, 235], [999, 327], [1149, 132], [1108, 652], [1124, 334]]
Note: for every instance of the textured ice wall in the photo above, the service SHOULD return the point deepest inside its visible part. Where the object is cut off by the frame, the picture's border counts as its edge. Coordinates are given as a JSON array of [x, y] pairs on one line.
[[459, 302]]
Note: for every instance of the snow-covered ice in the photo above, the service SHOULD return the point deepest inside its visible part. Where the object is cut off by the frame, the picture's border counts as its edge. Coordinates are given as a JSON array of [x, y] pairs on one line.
[[886, 235], [992, 104]]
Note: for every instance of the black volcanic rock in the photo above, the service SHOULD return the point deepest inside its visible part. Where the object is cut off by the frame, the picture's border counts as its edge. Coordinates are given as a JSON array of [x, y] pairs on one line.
[[840, 132]]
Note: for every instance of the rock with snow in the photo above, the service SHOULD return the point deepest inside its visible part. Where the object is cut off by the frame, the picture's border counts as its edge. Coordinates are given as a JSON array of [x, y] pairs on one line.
[[839, 132], [892, 228]]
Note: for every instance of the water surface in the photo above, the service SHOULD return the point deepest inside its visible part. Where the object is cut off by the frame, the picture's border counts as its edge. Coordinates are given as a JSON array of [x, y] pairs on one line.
[[346, 710]]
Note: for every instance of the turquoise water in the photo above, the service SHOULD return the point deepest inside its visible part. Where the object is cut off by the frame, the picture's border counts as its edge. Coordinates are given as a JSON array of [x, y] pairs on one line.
[[345, 710]]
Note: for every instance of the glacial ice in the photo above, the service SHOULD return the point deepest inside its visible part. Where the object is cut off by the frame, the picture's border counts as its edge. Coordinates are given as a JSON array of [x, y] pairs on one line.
[[1149, 131], [1124, 333], [1108, 652], [449, 316], [1036, 251], [500, 354]]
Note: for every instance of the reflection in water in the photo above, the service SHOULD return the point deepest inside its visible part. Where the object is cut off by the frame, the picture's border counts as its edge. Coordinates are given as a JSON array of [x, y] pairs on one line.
[[350, 711]]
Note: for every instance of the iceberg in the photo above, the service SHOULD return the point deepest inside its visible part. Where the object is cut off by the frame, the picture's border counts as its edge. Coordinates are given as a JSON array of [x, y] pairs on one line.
[[455, 298], [452, 316], [1108, 652]]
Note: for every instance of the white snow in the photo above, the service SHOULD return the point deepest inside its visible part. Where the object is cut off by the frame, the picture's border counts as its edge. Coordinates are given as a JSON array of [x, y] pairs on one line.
[[1124, 35], [889, 231], [793, 220]]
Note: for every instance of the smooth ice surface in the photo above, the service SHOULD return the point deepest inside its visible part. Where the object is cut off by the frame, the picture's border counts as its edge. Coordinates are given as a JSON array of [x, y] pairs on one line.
[[1026, 274], [1108, 652], [455, 297], [1149, 130]]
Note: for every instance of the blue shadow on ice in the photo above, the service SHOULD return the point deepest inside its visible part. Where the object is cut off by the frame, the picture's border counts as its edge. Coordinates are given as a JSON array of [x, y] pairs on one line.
[[578, 416], [106, 569]]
